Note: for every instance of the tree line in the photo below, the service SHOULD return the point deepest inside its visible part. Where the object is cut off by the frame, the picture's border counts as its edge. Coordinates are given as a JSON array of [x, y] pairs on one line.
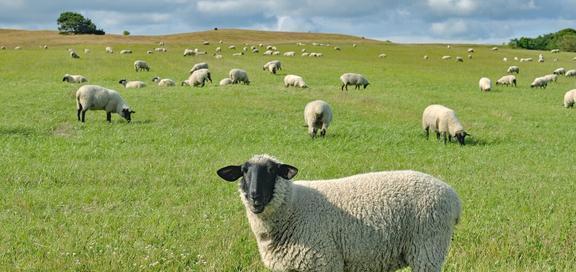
[[564, 40]]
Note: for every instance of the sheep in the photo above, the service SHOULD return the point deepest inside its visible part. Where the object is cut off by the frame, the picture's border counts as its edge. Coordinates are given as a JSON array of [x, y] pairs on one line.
[[93, 97], [2, 47], [294, 80], [74, 55], [570, 73], [86, 51], [238, 54], [353, 79], [539, 82], [525, 59], [560, 71], [165, 82], [289, 54], [239, 75], [513, 69], [189, 52], [218, 49], [314, 54], [109, 50], [469, 56], [232, 47], [225, 81], [161, 43], [495, 48], [149, 52], [255, 50], [337, 48], [45, 47], [305, 54], [126, 51], [505, 59], [460, 59], [354, 45], [470, 50], [554, 51], [508, 80], [382, 55], [570, 98], [17, 47], [485, 84], [317, 116], [574, 58], [198, 52], [444, 123], [198, 78], [132, 84], [540, 58], [448, 46], [206, 43], [268, 53], [74, 78], [303, 50], [379, 221], [446, 57], [426, 57], [273, 66], [550, 78], [198, 66], [141, 65]]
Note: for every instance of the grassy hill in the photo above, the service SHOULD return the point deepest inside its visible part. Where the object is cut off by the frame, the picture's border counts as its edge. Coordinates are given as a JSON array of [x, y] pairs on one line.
[[144, 196]]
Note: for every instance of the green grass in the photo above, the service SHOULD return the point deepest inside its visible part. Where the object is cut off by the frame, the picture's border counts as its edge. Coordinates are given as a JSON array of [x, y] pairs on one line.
[[144, 196]]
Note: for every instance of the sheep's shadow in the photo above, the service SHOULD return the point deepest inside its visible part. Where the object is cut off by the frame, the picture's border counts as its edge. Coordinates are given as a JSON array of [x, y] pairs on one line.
[[16, 131]]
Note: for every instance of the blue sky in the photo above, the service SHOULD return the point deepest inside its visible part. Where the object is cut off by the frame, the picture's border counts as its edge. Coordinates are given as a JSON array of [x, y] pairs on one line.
[[474, 21]]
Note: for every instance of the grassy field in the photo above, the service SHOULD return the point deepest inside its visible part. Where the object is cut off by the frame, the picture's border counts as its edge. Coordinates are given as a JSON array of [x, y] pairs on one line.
[[144, 196]]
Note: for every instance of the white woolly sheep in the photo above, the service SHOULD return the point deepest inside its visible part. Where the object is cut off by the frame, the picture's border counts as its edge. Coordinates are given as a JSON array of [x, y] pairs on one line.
[[218, 56], [337, 48], [109, 50], [74, 78], [525, 59], [317, 116], [74, 55], [495, 48], [379, 221], [305, 54], [444, 123], [268, 52], [571, 73], [470, 50], [508, 80], [198, 78], [294, 80], [45, 47], [206, 43], [550, 78], [238, 54], [189, 52], [426, 57], [383, 55], [161, 49], [141, 65], [353, 79], [233, 47], [446, 57], [17, 47], [289, 54], [218, 49], [2, 47], [539, 82], [86, 51], [354, 45], [225, 81], [570, 98], [540, 58], [513, 69], [164, 82], [555, 51], [149, 52], [273, 66], [161, 43], [460, 59], [136, 84], [93, 97], [126, 51], [485, 84], [469, 56], [560, 71], [239, 76], [198, 66]]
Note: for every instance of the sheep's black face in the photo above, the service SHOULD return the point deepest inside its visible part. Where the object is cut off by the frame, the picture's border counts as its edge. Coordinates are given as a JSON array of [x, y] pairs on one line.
[[461, 135], [127, 114], [258, 180], [122, 81]]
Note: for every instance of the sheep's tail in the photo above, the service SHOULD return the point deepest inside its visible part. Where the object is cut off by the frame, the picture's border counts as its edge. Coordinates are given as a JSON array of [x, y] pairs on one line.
[[78, 104]]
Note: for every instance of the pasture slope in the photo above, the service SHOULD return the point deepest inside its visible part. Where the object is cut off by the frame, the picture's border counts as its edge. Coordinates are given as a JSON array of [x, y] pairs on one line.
[[144, 196]]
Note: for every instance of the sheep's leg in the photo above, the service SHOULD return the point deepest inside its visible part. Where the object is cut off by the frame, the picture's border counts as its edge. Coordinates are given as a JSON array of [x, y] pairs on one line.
[[83, 115], [444, 136], [449, 138], [109, 117], [427, 131], [342, 88], [437, 136], [79, 111]]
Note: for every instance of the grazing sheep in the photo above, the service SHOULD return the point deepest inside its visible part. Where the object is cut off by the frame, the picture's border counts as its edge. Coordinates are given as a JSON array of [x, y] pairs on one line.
[[485, 84], [109, 50], [571, 73], [206, 43], [314, 54], [218, 49], [469, 56], [289, 54], [570, 98], [379, 221], [2, 47], [225, 81], [126, 51], [198, 78], [17, 47], [495, 48], [74, 55], [132, 84], [239, 76], [460, 59], [382, 55], [555, 51], [161, 49], [525, 59], [540, 82], [149, 52], [508, 80], [198, 66], [141, 65], [550, 78], [255, 50], [86, 51], [470, 50], [446, 57], [238, 54], [353, 79], [448, 46], [45, 47], [426, 57], [268, 53], [165, 82], [294, 80], [444, 123], [513, 69], [559, 71], [317, 116], [354, 45], [540, 58], [189, 52], [337, 48], [74, 78], [161, 43], [273, 66], [305, 54], [233, 47], [93, 97]]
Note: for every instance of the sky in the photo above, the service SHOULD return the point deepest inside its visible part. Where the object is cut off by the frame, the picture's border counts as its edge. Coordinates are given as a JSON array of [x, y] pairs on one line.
[[405, 21]]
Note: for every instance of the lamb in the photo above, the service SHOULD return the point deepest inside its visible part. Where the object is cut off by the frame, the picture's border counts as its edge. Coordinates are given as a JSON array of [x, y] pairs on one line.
[[165, 82], [141, 65], [198, 78], [513, 69], [379, 221], [353, 79], [189, 52], [571, 73], [93, 97], [318, 116], [74, 78], [132, 84], [485, 84], [570, 98], [294, 80], [559, 71], [74, 55], [444, 123], [273, 66], [109, 50], [198, 66], [17, 47], [126, 51], [225, 81], [508, 80], [539, 82], [239, 75]]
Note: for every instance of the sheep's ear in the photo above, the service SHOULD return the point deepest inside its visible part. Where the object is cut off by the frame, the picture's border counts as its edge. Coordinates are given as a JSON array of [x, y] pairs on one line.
[[287, 171], [132, 111], [230, 173]]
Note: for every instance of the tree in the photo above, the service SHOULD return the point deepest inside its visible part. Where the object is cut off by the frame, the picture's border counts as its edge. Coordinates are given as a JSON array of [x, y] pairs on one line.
[[564, 40], [126, 32], [72, 22]]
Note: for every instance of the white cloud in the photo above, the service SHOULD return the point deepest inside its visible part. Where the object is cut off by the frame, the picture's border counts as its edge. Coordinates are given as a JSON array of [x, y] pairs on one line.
[[449, 28], [461, 7]]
